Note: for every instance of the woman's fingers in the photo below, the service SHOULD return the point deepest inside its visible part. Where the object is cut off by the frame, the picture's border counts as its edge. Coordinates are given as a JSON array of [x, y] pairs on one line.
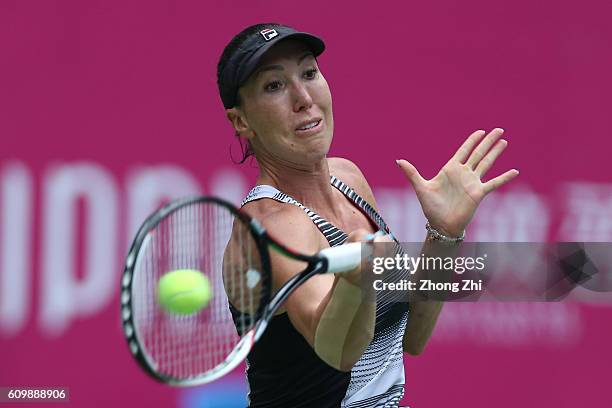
[[483, 147], [487, 161], [464, 151], [499, 181], [359, 235]]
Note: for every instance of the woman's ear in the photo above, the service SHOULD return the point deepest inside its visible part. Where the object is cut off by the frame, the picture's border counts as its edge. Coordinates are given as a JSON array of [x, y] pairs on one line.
[[239, 122]]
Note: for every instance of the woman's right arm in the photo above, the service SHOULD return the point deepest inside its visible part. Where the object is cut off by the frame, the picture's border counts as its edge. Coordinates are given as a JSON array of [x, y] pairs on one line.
[[330, 311]]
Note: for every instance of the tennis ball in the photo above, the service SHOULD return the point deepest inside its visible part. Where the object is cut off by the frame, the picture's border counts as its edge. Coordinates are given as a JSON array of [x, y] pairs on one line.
[[184, 291]]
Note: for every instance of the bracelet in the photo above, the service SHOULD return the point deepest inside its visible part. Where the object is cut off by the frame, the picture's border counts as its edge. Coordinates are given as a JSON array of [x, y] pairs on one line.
[[436, 235]]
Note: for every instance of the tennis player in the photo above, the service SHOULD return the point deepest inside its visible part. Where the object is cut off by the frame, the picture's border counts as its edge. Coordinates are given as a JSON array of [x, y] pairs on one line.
[[329, 346]]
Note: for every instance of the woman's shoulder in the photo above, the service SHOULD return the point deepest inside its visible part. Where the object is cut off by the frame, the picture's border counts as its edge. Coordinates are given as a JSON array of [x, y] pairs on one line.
[[281, 218], [350, 174], [341, 166]]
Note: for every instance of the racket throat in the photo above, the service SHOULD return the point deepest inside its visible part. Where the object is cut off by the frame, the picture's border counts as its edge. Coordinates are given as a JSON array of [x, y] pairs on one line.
[[284, 292]]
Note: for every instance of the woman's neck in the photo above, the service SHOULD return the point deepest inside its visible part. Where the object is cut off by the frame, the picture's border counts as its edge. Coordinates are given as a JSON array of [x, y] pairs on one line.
[[307, 184]]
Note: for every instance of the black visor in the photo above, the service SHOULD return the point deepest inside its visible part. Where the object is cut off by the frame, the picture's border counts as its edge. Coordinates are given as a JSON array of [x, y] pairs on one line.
[[245, 60]]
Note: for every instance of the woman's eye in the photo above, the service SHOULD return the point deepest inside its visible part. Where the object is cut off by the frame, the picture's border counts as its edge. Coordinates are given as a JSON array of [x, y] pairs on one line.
[[311, 73], [273, 86]]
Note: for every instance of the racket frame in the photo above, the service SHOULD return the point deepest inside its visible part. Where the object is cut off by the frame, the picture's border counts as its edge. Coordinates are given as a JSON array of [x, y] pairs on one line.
[[317, 264]]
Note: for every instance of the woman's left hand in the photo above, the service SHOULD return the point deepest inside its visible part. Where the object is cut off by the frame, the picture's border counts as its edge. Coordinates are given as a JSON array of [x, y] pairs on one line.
[[450, 199]]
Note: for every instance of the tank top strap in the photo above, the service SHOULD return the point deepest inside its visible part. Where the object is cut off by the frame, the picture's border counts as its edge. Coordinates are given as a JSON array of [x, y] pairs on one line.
[[362, 204], [267, 191]]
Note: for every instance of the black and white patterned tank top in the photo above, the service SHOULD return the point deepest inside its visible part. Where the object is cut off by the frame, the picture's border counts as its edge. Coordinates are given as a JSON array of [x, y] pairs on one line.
[[284, 371]]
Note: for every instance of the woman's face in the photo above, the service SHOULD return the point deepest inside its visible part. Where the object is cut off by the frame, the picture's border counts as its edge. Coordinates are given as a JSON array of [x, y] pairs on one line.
[[286, 107]]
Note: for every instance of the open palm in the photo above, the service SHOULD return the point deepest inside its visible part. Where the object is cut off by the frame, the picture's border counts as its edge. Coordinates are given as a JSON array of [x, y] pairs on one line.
[[450, 199]]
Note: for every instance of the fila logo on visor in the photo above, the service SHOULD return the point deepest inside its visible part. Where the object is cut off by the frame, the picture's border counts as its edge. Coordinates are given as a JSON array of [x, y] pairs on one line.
[[268, 33]]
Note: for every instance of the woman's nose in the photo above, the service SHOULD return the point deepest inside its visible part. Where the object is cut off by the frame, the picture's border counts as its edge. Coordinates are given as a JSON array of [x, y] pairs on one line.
[[302, 98]]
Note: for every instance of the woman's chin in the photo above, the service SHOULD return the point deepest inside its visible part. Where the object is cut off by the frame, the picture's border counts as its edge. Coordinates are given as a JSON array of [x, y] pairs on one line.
[[319, 148]]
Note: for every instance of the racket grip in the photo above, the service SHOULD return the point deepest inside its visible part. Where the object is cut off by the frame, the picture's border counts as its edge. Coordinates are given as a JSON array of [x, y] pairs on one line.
[[342, 258]]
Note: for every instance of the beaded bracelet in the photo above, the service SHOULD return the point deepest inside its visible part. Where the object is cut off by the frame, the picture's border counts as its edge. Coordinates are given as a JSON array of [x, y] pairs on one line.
[[438, 236]]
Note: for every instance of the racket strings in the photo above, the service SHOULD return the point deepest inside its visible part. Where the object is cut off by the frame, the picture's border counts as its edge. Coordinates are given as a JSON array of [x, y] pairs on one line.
[[208, 238]]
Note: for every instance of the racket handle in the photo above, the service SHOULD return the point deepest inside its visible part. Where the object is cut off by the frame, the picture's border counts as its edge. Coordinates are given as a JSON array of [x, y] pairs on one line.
[[342, 258]]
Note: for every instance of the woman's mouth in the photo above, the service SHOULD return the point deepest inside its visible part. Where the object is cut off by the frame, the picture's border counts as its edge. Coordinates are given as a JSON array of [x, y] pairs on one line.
[[309, 127]]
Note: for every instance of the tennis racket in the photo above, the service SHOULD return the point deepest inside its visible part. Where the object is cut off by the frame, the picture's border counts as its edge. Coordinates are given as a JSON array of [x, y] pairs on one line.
[[212, 236]]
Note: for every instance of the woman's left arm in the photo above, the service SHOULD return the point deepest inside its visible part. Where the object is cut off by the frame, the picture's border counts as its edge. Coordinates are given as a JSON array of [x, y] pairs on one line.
[[449, 201]]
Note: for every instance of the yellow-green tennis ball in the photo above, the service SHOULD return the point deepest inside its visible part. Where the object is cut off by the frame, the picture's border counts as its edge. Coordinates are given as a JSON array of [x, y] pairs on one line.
[[184, 291]]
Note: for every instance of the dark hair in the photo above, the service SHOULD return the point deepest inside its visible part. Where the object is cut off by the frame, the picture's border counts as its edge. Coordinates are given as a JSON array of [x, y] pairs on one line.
[[228, 51]]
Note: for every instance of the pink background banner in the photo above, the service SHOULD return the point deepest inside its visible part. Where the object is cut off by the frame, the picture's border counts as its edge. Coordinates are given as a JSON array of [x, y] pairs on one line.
[[108, 108]]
